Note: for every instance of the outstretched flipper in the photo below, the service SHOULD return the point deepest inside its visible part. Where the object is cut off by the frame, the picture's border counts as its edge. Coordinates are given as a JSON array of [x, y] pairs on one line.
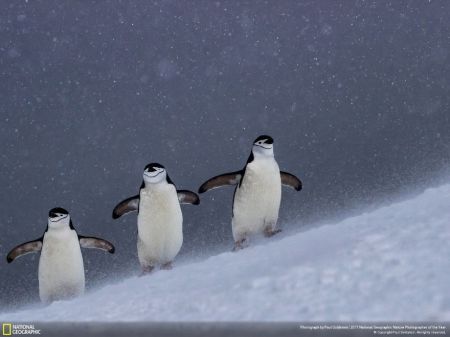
[[188, 197], [232, 178], [128, 205], [97, 243], [290, 180], [24, 248]]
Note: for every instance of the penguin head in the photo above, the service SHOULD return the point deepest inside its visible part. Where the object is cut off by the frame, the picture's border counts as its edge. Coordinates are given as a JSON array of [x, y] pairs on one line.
[[263, 146], [58, 217], [154, 173]]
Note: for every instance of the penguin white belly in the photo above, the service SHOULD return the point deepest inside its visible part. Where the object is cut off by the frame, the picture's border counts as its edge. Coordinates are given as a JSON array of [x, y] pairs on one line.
[[61, 269], [160, 231], [257, 200]]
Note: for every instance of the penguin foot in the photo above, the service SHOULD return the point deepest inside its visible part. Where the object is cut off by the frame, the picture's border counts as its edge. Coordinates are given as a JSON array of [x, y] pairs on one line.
[[146, 270], [167, 266], [240, 244], [269, 232]]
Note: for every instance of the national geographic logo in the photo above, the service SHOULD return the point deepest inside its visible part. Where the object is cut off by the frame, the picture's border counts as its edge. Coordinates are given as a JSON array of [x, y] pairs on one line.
[[6, 329], [9, 329]]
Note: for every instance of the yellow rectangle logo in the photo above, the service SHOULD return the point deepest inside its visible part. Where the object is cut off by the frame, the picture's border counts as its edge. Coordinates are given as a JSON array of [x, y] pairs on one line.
[[6, 329]]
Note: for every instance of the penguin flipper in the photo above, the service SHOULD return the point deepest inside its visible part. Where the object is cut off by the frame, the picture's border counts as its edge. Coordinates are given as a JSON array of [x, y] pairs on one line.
[[290, 180], [128, 205], [97, 243], [232, 178], [188, 197], [24, 248]]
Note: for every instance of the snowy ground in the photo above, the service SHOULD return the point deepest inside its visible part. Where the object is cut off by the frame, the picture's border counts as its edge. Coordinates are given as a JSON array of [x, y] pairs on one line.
[[390, 264]]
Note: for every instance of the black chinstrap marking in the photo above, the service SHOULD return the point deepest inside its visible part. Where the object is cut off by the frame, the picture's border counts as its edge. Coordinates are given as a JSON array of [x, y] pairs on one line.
[[147, 175], [267, 148]]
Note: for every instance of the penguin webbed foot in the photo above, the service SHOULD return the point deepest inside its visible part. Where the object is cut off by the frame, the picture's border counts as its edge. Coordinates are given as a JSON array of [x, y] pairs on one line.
[[240, 244], [146, 270], [269, 232], [167, 266]]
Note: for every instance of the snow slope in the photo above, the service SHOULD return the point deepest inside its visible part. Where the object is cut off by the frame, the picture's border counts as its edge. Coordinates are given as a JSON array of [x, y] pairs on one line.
[[390, 264]]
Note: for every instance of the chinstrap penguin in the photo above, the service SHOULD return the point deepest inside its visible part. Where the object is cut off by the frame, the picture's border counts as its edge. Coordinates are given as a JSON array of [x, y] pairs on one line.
[[159, 218], [61, 268], [257, 195]]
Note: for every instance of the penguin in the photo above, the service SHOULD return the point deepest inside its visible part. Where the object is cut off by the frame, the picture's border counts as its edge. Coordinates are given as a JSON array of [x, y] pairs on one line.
[[257, 195], [159, 217], [61, 269]]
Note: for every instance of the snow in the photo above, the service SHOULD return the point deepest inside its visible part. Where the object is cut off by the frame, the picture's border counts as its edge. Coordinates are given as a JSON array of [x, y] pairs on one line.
[[389, 264]]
